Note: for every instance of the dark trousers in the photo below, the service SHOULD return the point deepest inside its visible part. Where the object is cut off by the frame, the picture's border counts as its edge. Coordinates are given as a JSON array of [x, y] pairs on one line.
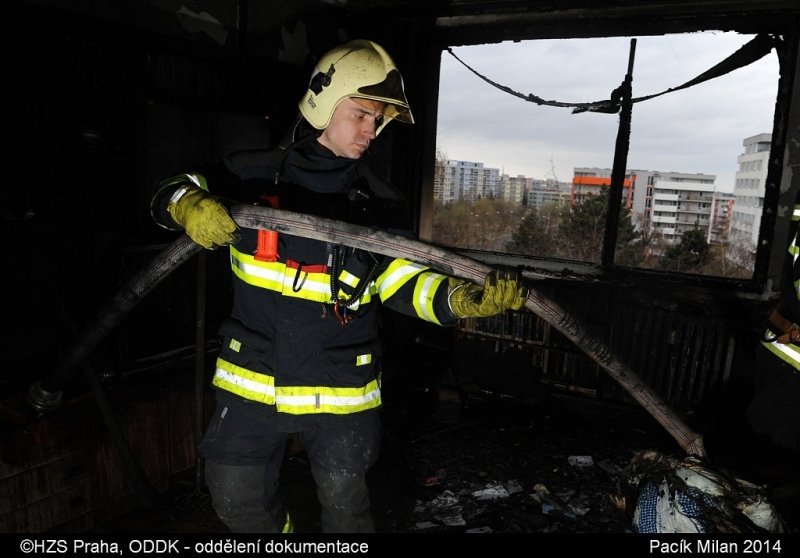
[[775, 409], [244, 452]]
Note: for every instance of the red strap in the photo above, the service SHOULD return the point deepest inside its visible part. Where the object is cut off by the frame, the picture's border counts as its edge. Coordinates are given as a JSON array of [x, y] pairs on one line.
[[307, 268]]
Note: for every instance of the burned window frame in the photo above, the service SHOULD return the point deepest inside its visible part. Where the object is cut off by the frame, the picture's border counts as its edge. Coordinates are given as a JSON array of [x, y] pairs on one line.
[[771, 243]]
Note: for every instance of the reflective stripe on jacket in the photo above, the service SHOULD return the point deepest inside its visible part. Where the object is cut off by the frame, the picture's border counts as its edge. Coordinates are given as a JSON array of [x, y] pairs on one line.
[[290, 279]]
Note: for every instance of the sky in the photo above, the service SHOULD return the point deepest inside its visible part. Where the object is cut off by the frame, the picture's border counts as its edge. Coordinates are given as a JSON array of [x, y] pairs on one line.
[[696, 130]]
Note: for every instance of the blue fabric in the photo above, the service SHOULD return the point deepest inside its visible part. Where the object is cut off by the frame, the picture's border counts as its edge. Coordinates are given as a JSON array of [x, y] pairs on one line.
[[682, 508], [644, 520]]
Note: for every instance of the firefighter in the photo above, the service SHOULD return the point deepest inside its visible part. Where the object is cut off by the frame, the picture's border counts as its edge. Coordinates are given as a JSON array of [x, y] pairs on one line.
[[775, 409], [301, 353]]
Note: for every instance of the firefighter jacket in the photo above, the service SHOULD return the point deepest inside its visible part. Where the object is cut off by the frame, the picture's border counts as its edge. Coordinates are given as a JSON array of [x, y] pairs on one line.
[[302, 337], [782, 336]]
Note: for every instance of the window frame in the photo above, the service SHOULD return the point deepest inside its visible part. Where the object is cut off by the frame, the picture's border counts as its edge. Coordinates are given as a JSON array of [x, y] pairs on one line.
[[767, 259]]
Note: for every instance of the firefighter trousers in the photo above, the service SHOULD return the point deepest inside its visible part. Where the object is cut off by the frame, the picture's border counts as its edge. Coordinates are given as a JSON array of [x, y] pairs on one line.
[[244, 451]]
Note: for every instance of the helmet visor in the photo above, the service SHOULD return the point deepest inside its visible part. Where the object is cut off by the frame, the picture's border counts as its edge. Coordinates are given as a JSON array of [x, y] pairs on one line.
[[389, 91]]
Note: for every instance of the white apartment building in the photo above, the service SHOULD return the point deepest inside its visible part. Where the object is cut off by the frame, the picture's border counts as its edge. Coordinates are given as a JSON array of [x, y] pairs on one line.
[[464, 180], [547, 192], [513, 188], [751, 179], [679, 206], [647, 183]]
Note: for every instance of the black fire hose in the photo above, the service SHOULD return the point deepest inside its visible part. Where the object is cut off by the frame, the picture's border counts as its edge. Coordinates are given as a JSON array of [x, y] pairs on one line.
[[43, 394]]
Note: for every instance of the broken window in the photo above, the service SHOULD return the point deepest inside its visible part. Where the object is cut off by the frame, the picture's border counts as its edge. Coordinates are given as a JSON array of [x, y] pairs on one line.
[[533, 178]]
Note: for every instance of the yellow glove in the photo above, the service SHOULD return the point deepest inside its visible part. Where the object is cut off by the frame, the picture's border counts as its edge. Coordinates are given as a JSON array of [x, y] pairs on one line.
[[501, 291], [204, 219]]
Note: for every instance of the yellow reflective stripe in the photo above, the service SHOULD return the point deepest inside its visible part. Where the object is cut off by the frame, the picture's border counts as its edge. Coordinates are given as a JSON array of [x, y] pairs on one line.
[[295, 400], [396, 275], [288, 526], [348, 278], [361, 360], [424, 292], [275, 276], [303, 400], [313, 286], [235, 345], [796, 213], [268, 275], [786, 353], [246, 383]]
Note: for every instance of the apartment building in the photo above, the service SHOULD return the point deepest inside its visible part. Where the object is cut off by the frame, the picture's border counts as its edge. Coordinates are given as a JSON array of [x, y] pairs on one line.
[[548, 192], [751, 179], [667, 202], [464, 181], [514, 188], [679, 206], [592, 181], [721, 218]]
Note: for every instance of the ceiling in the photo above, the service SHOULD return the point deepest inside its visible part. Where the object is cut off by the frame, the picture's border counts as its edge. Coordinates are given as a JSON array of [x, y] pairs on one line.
[[457, 18]]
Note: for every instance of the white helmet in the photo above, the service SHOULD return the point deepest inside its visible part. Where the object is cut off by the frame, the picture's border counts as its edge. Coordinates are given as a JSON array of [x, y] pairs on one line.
[[360, 69]]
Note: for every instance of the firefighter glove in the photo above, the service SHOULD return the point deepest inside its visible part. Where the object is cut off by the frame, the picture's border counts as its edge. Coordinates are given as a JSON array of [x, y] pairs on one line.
[[501, 291], [203, 217]]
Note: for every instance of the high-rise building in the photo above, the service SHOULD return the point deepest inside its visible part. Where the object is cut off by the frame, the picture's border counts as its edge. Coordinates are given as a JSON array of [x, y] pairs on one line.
[[464, 180], [680, 206], [514, 188], [548, 192], [751, 179]]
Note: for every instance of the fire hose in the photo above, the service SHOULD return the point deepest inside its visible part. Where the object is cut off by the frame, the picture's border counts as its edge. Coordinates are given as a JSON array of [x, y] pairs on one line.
[[43, 395]]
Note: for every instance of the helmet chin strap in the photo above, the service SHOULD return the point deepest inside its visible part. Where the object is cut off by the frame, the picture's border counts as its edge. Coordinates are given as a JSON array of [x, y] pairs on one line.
[[301, 133]]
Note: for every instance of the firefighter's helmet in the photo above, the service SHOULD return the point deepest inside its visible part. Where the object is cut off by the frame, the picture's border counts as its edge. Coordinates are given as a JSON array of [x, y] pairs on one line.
[[361, 69]]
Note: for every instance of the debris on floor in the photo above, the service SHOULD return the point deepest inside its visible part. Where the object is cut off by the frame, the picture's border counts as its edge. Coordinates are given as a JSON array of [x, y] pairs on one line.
[[507, 466], [674, 495], [510, 465]]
